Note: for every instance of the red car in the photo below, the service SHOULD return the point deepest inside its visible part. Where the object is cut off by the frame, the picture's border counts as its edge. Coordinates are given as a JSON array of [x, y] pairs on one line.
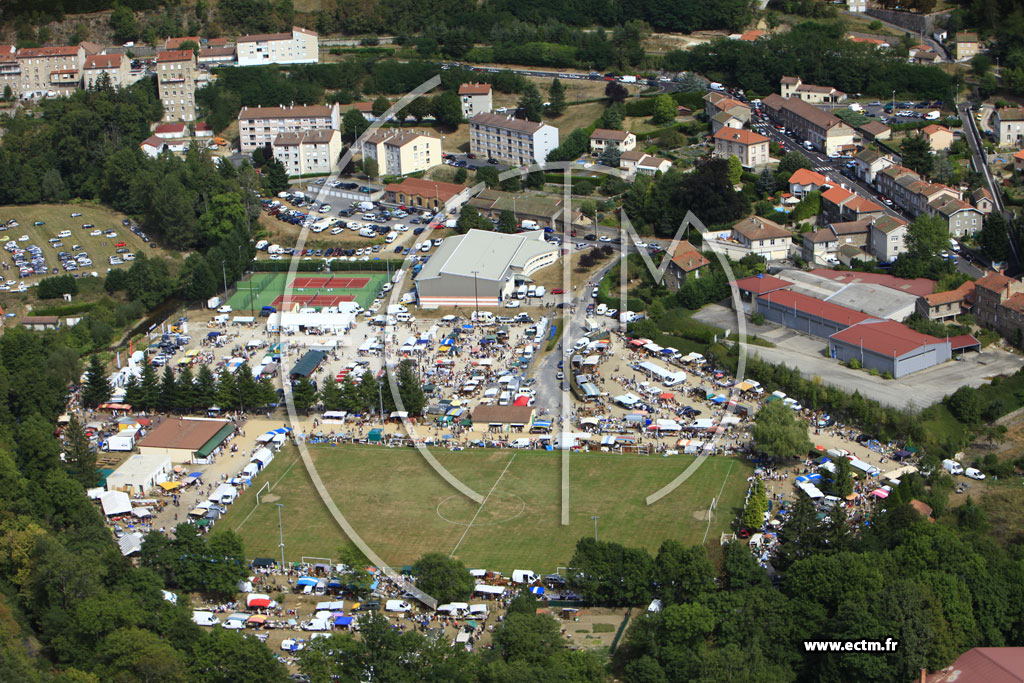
[[121, 244], [558, 291]]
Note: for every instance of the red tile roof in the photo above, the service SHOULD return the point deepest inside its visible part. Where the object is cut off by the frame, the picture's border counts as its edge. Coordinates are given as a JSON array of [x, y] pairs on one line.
[[742, 136], [175, 43], [687, 258], [426, 188], [805, 176], [836, 195], [816, 307], [886, 337], [760, 284], [475, 89], [994, 282], [175, 56], [103, 61], [170, 128], [950, 296], [988, 664]]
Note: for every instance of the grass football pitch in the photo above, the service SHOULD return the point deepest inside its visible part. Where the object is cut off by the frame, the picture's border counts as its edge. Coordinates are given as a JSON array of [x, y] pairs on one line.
[[403, 509]]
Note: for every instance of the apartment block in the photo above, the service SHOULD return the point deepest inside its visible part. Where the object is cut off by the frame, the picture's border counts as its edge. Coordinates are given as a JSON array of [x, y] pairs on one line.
[[476, 99], [308, 152], [260, 126], [512, 141], [300, 46], [115, 67], [402, 153], [176, 84], [10, 72], [46, 70], [828, 133], [751, 148]]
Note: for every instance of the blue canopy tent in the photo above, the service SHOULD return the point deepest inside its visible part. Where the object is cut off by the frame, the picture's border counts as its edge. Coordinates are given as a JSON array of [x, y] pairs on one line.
[[343, 621], [537, 590], [306, 581]]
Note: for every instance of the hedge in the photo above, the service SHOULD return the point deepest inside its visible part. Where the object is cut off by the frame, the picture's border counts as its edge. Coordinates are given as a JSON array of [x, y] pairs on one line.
[[70, 309]]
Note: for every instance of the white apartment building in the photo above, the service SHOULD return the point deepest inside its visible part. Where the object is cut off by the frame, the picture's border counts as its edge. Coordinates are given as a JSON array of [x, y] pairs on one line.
[[308, 152], [476, 99], [45, 70], [513, 141], [402, 153], [176, 84], [259, 126], [116, 67], [300, 46]]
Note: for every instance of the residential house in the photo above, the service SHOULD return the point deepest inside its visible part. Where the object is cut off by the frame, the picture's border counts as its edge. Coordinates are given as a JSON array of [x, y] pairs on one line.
[[962, 219], [421, 193], [939, 137], [299, 46], [38, 323], [858, 6], [965, 46], [476, 99], [826, 132], [848, 253], [819, 247], [724, 119], [602, 139], [852, 233], [176, 84], [259, 126], [909, 191], [875, 130], [513, 141], [923, 54], [751, 35], [308, 152], [868, 163], [366, 109], [982, 200], [114, 67], [804, 181], [636, 162], [887, 238], [202, 130], [998, 303], [1008, 123], [877, 42], [792, 86], [176, 43], [685, 261], [841, 205], [763, 237], [152, 146], [751, 148], [401, 152], [171, 131], [46, 70], [716, 103], [10, 72], [1018, 161], [946, 305]]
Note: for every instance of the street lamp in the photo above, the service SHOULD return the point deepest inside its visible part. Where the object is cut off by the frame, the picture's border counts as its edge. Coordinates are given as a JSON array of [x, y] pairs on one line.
[[476, 296], [280, 530], [595, 518], [893, 102], [224, 274]]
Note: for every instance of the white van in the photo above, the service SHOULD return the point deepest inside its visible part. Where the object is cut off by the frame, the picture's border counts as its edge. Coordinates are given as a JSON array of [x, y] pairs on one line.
[[204, 618], [262, 244], [601, 309], [64, 233], [367, 232], [221, 319], [932, 116], [483, 317], [529, 225], [531, 291], [952, 466], [365, 206], [390, 237], [505, 398], [403, 317]]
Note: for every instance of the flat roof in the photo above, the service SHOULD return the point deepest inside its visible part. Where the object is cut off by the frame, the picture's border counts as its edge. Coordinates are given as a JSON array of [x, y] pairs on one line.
[[308, 363], [183, 433], [503, 414]]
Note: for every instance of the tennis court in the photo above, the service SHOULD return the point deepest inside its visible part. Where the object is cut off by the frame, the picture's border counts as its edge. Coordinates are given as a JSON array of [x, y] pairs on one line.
[[270, 289]]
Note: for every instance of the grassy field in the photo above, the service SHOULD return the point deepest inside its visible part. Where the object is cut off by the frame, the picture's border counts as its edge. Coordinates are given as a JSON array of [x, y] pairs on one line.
[[58, 217], [403, 509]]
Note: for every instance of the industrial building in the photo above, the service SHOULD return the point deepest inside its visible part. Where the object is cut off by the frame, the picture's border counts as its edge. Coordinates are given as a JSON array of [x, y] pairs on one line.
[[186, 440], [482, 268]]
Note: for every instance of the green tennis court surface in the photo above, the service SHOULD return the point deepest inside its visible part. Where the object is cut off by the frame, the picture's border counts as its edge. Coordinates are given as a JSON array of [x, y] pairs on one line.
[[275, 289]]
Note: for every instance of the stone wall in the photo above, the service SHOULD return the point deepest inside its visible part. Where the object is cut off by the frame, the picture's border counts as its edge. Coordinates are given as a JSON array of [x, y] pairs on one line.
[[915, 23]]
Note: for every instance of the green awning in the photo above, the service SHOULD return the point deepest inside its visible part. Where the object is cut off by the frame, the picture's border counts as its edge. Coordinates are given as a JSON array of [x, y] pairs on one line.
[[215, 441]]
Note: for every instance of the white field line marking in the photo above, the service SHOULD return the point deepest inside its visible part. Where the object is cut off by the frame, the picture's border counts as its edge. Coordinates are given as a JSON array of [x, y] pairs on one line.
[[486, 498]]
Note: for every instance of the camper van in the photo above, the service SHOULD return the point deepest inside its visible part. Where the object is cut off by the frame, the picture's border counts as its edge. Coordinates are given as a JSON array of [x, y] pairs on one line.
[[952, 466], [485, 317]]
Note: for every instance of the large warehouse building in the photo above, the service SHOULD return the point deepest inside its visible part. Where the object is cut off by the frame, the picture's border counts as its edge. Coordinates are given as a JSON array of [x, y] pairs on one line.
[[481, 268], [186, 440]]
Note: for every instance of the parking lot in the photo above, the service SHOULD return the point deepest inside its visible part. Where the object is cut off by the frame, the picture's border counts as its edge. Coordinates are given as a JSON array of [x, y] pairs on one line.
[[52, 239]]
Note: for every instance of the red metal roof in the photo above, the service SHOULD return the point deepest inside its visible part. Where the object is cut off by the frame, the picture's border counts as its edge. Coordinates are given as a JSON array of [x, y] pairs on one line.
[[963, 341], [885, 337], [816, 307], [760, 284], [919, 286]]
